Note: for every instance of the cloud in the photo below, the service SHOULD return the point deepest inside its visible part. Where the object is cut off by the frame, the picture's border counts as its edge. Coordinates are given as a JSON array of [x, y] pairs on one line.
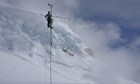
[[135, 44], [124, 12], [117, 65]]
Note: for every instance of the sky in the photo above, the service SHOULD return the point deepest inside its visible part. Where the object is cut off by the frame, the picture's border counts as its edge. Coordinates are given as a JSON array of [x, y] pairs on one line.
[[124, 13], [109, 27]]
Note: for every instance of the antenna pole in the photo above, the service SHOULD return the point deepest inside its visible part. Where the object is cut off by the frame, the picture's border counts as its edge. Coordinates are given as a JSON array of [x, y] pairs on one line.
[[51, 43], [50, 47], [50, 7]]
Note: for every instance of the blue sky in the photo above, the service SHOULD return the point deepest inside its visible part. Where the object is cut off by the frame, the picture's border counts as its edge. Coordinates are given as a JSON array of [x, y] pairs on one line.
[[124, 13]]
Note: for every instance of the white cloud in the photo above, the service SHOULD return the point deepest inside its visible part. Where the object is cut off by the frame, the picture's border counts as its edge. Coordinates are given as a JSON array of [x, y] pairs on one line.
[[135, 44], [116, 63]]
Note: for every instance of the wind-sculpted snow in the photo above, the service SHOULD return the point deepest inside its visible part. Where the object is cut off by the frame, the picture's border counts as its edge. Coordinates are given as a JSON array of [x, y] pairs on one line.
[[25, 35], [18, 29], [12, 37]]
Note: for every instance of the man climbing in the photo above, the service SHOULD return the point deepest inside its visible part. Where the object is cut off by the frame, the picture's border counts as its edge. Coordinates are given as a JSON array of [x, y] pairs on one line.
[[49, 19]]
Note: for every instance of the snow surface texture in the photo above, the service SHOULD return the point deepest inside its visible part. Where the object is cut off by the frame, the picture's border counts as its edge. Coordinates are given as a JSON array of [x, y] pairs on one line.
[[24, 53], [25, 44]]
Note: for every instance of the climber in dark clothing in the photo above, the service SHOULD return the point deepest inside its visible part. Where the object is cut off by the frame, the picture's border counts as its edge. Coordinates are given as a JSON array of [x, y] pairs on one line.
[[49, 19]]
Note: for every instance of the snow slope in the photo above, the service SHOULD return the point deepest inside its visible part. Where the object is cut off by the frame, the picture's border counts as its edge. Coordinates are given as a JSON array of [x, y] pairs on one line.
[[24, 50], [24, 53]]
